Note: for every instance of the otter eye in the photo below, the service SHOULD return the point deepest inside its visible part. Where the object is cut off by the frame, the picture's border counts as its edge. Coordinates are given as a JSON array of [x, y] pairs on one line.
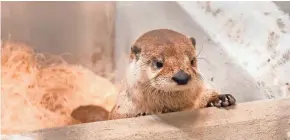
[[157, 64]]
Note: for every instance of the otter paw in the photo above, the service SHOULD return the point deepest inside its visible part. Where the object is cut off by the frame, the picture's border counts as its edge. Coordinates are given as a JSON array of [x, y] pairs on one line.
[[142, 114], [167, 111], [222, 100]]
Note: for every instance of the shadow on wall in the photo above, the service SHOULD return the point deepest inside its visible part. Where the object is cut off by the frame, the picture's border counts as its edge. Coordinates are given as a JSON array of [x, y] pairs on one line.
[[83, 29], [283, 5]]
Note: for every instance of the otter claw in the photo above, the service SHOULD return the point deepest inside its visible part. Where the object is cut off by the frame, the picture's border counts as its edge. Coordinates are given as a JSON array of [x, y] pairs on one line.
[[223, 100], [142, 114]]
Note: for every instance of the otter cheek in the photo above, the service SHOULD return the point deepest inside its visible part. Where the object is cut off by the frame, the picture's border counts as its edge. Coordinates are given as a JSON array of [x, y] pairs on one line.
[[163, 84], [152, 73]]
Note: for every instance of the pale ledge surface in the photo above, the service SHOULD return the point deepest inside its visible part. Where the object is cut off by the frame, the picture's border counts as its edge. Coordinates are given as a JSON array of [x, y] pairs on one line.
[[263, 120]]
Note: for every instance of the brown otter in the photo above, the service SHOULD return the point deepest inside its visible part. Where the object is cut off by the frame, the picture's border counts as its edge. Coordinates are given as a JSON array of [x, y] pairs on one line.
[[162, 77]]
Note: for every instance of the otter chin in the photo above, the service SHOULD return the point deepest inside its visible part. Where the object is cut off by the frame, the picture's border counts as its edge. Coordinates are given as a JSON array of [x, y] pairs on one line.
[[163, 77]]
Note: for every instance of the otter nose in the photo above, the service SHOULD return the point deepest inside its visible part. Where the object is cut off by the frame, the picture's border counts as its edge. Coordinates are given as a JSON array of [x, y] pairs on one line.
[[181, 78]]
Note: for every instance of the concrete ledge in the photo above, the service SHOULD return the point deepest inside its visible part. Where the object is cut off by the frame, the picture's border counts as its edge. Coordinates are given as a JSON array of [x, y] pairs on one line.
[[269, 119]]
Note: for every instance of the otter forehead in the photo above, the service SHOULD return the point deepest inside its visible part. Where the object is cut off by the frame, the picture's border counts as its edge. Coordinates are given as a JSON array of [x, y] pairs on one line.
[[165, 42]]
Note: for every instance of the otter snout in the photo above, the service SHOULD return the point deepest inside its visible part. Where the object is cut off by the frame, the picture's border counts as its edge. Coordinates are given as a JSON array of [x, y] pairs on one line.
[[181, 78]]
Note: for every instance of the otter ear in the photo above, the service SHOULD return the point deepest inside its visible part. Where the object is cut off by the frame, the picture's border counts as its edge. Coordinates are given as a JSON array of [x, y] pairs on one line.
[[135, 51], [192, 39]]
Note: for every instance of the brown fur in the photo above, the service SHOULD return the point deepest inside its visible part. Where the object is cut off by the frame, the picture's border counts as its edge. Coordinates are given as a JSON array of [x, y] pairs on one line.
[[148, 90]]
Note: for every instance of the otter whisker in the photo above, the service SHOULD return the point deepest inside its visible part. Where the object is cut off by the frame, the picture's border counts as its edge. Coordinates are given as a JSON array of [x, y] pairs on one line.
[[200, 76], [204, 59], [199, 51], [147, 85]]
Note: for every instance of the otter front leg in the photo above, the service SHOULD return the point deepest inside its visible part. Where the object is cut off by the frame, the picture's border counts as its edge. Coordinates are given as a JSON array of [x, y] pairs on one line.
[[124, 108], [122, 111], [142, 114], [212, 98], [222, 100], [126, 113]]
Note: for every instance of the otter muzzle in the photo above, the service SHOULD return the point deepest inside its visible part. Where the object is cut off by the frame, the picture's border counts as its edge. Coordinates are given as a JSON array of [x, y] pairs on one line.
[[181, 78]]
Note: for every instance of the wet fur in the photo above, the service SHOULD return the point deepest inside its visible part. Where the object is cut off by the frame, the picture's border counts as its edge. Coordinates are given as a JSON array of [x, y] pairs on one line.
[[147, 90]]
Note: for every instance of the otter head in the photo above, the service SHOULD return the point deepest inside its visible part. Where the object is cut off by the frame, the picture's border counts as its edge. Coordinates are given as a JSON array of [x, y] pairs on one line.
[[166, 60]]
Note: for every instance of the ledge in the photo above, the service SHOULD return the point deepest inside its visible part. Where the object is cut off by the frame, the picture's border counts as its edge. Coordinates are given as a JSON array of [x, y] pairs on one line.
[[268, 119]]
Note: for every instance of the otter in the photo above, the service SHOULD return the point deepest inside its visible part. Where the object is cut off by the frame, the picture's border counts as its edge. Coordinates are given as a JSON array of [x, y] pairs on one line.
[[162, 77]]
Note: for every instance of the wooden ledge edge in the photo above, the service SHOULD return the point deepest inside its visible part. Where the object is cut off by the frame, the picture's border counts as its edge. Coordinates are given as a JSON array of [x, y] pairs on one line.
[[265, 119]]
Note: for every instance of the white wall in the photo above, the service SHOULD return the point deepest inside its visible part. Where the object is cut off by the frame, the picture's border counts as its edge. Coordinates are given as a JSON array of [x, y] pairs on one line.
[[256, 35]]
